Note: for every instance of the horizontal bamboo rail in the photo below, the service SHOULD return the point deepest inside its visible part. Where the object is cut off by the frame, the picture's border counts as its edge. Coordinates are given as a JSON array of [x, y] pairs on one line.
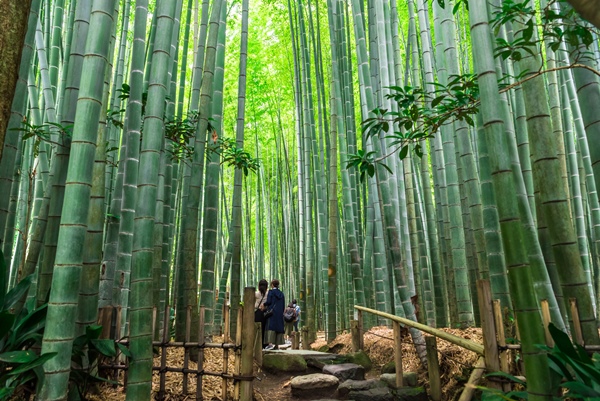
[[461, 342]]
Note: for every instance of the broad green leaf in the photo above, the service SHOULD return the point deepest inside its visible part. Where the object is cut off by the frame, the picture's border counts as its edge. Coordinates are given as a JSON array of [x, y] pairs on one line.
[[404, 152], [124, 350], [29, 366], [105, 346], [16, 293], [506, 376], [578, 389], [24, 356]]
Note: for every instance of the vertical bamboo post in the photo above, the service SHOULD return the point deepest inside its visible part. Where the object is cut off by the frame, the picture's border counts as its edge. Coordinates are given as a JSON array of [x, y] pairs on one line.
[[361, 329], [545, 306], [501, 340], [238, 352], [433, 368], [305, 344], [296, 340], [247, 365], [200, 365], [118, 324], [488, 330], [577, 332], [258, 343], [398, 355], [186, 350], [105, 319], [163, 355], [355, 330], [226, 311], [154, 316]]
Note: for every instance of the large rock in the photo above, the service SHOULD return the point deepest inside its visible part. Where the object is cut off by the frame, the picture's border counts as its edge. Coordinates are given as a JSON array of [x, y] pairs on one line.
[[374, 394], [321, 362], [315, 385], [358, 385], [410, 394], [345, 371], [389, 367], [276, 363], [360, 358], [410, 379]]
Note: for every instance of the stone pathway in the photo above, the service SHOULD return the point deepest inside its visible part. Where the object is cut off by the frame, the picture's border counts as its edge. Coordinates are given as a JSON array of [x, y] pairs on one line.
[[341, 379]]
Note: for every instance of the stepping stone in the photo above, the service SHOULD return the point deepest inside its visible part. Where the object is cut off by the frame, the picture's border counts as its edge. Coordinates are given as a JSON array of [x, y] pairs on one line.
[[361, 358], [283, 362], [410, 379], [374, 394], [345, 371], [411, 394], [358, 385], [314, 385]]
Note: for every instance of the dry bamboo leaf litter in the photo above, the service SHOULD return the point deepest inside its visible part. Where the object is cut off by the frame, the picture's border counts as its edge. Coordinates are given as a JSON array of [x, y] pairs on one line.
[[455, 366]]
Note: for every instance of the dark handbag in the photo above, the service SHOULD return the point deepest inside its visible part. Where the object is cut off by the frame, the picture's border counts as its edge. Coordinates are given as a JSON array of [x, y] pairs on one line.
[[268, 313]]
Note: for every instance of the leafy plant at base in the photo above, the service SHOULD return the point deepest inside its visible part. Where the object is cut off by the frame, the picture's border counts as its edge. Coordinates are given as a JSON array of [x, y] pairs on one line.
[[88, 352], [21, 371], [579, 372]]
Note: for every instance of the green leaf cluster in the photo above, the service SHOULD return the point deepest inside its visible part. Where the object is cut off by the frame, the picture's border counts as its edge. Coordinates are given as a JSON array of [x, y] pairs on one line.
[[21, 371]]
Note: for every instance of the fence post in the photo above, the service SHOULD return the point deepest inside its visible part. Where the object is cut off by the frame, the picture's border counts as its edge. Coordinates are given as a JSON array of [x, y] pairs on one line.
[[258, 341], [498, 321], [238, 352], [488, 330], [355, 330], [295, 340], [305, 344], [361, 331], [433, 367], [247, 365], [226, 334], [398, 355], [545, 306], [577, 331]]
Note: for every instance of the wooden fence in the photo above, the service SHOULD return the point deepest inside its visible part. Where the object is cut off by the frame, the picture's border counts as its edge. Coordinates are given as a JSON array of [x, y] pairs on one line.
[[243, 348], [494, 353]]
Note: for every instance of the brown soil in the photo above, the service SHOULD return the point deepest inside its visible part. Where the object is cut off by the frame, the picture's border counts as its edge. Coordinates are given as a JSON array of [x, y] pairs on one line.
[[455, 367]]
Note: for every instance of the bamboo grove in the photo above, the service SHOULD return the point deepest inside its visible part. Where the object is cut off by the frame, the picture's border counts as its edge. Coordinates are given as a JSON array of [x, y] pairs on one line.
[[165, 154]]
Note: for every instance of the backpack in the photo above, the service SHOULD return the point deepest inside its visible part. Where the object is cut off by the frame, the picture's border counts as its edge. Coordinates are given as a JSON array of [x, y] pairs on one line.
[[289, 315]]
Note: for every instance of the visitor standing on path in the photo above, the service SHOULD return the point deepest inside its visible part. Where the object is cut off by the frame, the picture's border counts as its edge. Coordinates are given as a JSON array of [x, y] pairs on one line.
[[276, 302], [297, 321], [289, 318], [259, 308]]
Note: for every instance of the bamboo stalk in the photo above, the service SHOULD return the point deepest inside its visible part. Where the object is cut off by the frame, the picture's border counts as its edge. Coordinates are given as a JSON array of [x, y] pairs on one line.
[[247, 334], [200, 366], [461, 342], [163, 355], [226, 311], [186, 353]]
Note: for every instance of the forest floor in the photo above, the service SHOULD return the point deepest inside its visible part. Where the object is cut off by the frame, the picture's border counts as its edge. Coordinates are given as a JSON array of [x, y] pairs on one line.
[[455, 366]]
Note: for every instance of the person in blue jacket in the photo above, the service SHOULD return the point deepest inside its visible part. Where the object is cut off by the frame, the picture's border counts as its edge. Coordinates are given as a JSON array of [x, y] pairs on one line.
[[275, 301]]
